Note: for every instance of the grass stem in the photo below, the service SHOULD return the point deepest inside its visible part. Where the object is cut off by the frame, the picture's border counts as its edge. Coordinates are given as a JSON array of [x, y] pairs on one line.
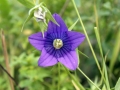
[[94, 55], [6, 58]]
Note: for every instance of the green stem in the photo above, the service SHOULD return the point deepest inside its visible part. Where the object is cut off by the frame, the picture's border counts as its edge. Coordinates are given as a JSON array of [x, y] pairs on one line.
[[58, 76], [87, 37], [103, 59], [115, 52], [74, 79], [96, 29], [88, 78]]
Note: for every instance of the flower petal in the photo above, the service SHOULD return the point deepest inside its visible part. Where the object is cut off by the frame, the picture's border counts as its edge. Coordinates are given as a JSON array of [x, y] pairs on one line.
[[46, 59], [76, 38], [52, 27], [37, 40], [70, 60]]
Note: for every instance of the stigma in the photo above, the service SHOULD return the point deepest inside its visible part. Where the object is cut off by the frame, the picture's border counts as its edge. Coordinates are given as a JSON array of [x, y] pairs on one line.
[[57, 43]]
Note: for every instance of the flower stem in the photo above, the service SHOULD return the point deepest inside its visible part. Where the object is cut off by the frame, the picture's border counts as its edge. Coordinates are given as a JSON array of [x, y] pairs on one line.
[[88, 78], [87, 38], [58, 76]]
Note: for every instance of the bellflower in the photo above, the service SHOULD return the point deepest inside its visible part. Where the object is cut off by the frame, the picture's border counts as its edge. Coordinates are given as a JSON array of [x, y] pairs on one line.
[[58, 45]]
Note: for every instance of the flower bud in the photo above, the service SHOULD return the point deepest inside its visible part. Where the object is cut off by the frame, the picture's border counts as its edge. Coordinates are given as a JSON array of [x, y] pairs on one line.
[[40, 14]]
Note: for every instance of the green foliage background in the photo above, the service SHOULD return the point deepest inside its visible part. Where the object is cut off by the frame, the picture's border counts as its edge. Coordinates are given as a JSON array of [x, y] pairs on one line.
[[23, 57]]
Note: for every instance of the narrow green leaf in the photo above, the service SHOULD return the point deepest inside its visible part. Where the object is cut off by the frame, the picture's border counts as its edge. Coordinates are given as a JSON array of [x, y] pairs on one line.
[[28, 18], [88, 78], [71, 27], [49, 15], [76, 82], [117, 86], [83, 54], [35, 7], [27, 3], [74, 79], [104, 88], [78, 56], [85, 32], [106, 76], [116, 50], [98, 40], [101, 52]]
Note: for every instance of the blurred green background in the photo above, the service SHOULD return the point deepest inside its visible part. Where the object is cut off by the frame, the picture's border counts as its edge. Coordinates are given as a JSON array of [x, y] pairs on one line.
[[23, 57]]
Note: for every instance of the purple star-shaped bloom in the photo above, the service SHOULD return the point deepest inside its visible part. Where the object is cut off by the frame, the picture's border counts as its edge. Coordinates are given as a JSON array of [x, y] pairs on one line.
[[57, 45]]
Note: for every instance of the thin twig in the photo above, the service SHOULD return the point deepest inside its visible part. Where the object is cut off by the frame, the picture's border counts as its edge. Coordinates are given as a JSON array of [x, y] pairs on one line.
[[7, 73], [6, 58]]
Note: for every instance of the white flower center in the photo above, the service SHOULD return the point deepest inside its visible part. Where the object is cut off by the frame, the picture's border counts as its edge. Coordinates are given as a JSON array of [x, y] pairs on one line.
[[57, 43]]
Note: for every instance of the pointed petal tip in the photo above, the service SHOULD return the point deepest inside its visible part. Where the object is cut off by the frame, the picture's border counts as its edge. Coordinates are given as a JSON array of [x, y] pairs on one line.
[[46, 59], [83, 36], [36, 40], [76, 38], [52, 27], [55, 14], [70, 60], [72, 69], [42, 64]]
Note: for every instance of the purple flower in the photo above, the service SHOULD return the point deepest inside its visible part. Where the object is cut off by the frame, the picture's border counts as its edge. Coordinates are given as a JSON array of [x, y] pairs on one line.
[[58, 45]]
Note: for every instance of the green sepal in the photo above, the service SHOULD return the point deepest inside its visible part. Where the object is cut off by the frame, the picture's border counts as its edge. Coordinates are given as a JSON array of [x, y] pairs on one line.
[[43, 27], [28, 18], [49, 16], [35, 7], [71, 27], [31, 14]]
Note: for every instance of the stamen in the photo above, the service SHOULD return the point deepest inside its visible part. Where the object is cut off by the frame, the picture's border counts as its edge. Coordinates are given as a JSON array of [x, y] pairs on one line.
[[57, 43]]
